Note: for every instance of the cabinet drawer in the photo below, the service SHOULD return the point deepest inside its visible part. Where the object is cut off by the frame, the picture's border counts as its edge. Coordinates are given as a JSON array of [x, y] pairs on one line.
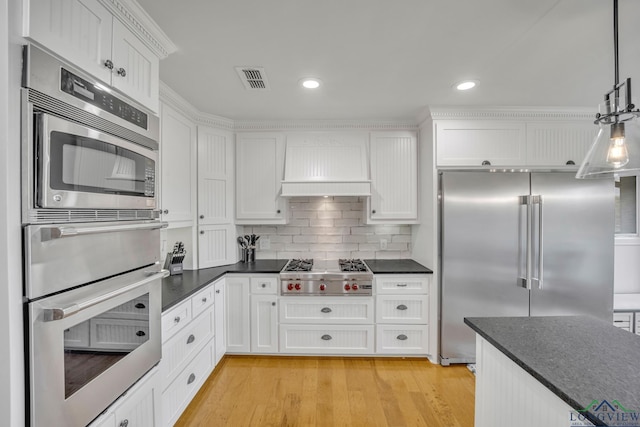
[[201, 301], [117, 334], [352, 310], [326, 339], [404, 284], [135, 309], [402, 309], [175, 319], [623, 321], [264, 285], [181, 348], [402, 339], [177, 396]]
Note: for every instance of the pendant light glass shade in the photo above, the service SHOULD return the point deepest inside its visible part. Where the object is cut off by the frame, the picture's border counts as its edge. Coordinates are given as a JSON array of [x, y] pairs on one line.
[[615, 150]]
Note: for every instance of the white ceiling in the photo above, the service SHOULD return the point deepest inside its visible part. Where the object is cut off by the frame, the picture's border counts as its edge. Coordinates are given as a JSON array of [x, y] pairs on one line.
[[389, 59]]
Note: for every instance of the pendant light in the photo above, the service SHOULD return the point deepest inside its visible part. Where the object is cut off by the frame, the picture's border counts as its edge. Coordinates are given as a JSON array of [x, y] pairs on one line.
[[616, 149]]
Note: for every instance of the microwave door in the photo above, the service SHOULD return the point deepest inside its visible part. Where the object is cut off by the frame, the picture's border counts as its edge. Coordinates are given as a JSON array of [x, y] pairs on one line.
[[82, 168]]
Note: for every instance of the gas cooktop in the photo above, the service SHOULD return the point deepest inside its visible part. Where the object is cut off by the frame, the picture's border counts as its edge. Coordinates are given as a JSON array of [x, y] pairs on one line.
[[326, 277]]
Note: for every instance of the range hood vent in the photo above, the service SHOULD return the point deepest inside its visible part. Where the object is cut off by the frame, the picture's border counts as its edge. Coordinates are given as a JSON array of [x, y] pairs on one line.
[[253, 78], [326, 165]]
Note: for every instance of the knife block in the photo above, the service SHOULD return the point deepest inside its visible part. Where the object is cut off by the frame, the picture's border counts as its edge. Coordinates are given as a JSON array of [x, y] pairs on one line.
[[174, 268]]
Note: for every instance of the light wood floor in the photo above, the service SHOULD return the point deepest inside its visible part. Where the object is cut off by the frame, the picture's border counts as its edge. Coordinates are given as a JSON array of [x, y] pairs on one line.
[[322, 391]]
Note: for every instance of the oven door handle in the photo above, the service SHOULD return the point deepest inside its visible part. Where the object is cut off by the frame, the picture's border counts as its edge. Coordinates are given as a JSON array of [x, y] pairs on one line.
[[58, 313], [69, 231]]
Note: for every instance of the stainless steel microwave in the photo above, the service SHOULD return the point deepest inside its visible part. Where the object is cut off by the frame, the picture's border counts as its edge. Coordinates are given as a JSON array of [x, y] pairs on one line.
[[89, 153]]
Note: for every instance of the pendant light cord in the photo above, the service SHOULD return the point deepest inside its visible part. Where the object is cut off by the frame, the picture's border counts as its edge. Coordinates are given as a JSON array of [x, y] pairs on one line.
[[615, 43]]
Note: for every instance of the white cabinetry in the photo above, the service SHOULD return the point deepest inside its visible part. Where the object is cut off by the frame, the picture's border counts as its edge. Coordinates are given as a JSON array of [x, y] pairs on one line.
[[326, 325], [216, 232], [402, 314], [178, 171], [504, 143], [188, 351], [238, 326], [220, 319], [264, 323], [624, 320], [394, 178], [86, 34], [259, 174], [139, 406]]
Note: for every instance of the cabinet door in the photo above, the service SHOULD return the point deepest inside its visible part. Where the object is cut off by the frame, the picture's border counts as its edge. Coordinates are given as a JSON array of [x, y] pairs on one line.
[[216, 245], [559, 143], [394, 177], [259, 173], [215, 176], [264, 324], [80, 31], [141, 406], [178, 172], [470, 143], [220, 319], [136, 69], [237, 314]]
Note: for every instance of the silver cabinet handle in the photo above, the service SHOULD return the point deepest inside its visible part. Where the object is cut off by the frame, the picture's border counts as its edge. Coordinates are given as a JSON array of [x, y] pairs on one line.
[[122, 72], [191, 339], [191, 379], [124, 423], [401, 285], [108, 64], [69, 231], [401, 307], [325, 310], [58, 313], [140, 333], [176, 319], [402, 337], [326, 337], [204, 300], [166, 211], [217, 291]]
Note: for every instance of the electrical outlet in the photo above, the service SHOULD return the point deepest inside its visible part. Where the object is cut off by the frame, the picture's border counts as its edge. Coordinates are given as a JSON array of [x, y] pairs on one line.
[[383, 244], [265, 243]]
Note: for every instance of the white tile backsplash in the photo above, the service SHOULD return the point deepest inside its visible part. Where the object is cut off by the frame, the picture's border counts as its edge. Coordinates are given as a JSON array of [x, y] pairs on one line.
[[331, 228]]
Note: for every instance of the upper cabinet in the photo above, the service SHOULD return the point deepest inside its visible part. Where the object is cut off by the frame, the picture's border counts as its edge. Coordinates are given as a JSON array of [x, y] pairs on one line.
[[85, 33], [177, 163], [259, 174], [512, 143], [394, 178]]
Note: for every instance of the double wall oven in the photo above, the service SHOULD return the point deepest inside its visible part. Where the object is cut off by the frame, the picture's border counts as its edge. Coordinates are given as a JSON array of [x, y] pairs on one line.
[[91, 239]]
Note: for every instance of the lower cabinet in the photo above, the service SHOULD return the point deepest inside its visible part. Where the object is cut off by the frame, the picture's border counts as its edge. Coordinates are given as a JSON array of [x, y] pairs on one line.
[[627, 320], [264, 324], [238, 327], [188, 351], [220, 319], [139, 406]]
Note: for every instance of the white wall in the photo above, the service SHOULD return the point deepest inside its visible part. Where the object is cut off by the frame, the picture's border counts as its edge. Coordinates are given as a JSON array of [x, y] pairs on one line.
[[627, 266], [12, 402]]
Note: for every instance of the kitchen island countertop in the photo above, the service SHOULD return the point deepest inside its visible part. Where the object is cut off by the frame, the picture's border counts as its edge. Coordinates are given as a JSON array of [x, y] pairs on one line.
[[578, 358], [177, 288]]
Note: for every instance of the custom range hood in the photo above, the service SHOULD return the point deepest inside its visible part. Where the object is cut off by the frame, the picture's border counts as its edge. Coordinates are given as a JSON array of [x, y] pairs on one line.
[[326, 165]]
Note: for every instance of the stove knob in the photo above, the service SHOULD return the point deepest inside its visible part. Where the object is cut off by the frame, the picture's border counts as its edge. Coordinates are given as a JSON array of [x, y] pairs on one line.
[[297, 286], [290, 286], [354, 287], [322, 287], [347, 287]]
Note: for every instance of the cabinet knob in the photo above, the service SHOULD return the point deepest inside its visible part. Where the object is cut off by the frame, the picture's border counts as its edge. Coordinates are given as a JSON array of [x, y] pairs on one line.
[[217, 291], [202, 232], [278, 211], [273, 303], [373, 211], [201, 216], [191, 379], [326, 337], [166, 211], [570, 162], [204, 300], [191, 339], [108, 64], [486, 163], [402, 337], [176, 319], [122, 72], [264, 285], [124, 423]]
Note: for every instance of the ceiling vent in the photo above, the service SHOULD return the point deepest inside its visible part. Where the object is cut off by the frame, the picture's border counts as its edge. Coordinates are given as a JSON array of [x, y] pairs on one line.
[[253, 78]]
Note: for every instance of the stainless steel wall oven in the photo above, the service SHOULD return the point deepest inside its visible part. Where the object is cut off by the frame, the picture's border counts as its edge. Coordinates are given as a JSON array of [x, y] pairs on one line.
[[91, 238]]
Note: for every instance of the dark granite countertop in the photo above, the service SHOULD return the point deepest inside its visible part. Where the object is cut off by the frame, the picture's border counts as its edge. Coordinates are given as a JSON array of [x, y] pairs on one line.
[[177, 288], [579, 358], [396, 266]]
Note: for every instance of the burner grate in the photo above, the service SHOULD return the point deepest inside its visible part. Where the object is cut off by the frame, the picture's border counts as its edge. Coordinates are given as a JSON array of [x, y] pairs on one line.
[[352, 265], [299, 265]]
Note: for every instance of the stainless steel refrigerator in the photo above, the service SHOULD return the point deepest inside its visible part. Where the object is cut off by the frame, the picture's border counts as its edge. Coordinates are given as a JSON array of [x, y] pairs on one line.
[[521, 244]]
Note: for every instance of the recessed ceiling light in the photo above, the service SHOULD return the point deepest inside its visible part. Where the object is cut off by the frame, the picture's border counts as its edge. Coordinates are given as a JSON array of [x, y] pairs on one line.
[[310, 83], [466, 85]]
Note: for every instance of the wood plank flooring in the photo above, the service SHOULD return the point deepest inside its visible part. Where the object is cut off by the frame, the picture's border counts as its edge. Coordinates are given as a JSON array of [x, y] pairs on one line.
[[331, 391]]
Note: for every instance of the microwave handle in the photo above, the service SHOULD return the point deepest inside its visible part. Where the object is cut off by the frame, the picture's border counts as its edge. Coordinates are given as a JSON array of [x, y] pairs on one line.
[[58, 313], [70, 231]]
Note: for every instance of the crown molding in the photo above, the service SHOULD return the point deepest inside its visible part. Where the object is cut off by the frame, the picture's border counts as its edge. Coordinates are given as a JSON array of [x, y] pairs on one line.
[[322, 125], [214, 121], [136, 19], [512, 113]]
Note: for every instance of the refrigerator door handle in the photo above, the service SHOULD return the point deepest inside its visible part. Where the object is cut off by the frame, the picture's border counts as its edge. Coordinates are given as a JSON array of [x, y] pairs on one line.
[[537, 200], [525, 281]]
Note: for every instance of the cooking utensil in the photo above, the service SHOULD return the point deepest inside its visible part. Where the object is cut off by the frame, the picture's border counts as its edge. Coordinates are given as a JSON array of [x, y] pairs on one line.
[[241, 242], [248, 239]]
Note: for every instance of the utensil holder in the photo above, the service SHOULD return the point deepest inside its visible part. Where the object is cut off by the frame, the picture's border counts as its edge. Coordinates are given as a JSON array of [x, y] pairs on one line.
[[248, 255], [171, 265]]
